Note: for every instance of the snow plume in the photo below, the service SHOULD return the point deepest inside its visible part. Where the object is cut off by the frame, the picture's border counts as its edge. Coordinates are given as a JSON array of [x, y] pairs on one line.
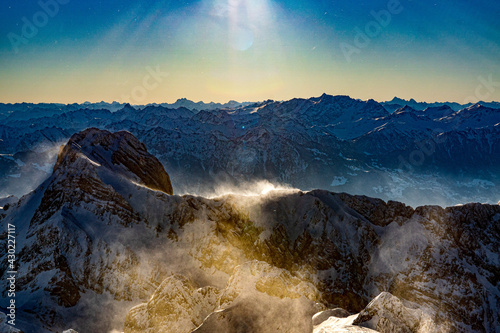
[[32, 168], [245, 188], [202, 247], [400, 248]]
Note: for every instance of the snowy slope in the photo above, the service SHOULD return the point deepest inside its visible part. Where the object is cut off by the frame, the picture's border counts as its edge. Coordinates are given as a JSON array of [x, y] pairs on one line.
[[414, 154], [96, 235]]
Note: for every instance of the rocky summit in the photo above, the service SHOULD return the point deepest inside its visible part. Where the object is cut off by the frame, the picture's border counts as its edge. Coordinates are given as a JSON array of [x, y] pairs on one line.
[[120, 153], [103, 245]]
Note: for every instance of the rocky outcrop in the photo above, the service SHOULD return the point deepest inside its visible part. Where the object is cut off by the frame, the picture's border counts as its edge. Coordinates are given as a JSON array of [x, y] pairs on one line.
[[73, 230], [177, 305], [119, 152], [378, 211], [320, 317], [257, 298], [261, 298], [387, 313]]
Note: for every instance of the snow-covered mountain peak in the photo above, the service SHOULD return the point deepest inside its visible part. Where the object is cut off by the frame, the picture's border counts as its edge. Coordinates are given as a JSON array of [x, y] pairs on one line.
[[475, 106], [127, 107], [437, 112], [119, 152], [405, 108], [441, 108]]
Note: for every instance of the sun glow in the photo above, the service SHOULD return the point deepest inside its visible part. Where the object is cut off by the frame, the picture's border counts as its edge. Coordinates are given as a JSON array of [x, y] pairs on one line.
[[246, 20], [251, 48]]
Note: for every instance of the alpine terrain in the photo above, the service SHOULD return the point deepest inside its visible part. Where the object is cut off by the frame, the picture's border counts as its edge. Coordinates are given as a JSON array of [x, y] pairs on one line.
[[416, 153], [104, 243]]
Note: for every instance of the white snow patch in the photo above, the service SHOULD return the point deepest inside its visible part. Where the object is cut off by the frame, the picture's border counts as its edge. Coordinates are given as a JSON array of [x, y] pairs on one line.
[[339, 181], [92, 162], [335, 324], [346, 158]]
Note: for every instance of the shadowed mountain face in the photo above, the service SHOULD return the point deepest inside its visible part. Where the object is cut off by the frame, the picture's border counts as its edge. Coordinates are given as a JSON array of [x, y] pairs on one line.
[[120, 153], [436, 155], [103, 237]]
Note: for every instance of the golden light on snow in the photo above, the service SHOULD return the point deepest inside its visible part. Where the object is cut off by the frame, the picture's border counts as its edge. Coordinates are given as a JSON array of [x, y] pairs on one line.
[[248, 189], [268, 188]]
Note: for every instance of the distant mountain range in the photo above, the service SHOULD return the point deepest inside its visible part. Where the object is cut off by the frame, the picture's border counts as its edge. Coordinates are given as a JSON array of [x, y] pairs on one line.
[[397, 103], [34, 110], [24, 111], [435, 155], [103, 244]]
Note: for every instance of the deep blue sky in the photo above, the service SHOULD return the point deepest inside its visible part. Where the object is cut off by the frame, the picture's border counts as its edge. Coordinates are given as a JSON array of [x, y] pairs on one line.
[[249, 50]]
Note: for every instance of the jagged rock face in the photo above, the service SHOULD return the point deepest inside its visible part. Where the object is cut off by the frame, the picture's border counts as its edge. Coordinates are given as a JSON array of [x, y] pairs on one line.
[[263, 298], [334, 324], [73, 232], [94, 228], [377, 211], [387, 313], [79, 184], [455, 281], [177, 305], [258, 315], [121, 152], [257, 298], [320, 317], [268, 280], [428, 255]]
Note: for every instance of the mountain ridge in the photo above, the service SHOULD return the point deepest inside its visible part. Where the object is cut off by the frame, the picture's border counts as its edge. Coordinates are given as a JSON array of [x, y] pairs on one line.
[[408, 155], [115, 243]]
